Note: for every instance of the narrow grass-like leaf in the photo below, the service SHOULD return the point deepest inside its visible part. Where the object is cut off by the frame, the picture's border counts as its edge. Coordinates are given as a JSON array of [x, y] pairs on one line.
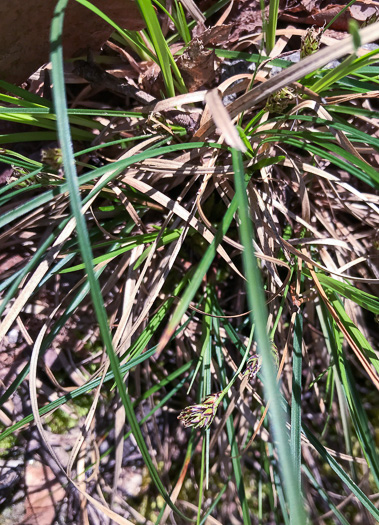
[[215, 502], [340, 13], [33, 110], [354, 31], [251, 57], [324, 496], [345, 417], [271, 25], [354, 332], [47, 120], [296, 400], [273, 467], [24, 97], [354, 403], [257, 305], [324, 454], [206, 379], [231, 433], [165, 58], [136, 241], [36, 136], [59, 97], [208, 13], [201, 480], [348, 66], [334, 75], [364, 299], [123, 34], [181, 23]]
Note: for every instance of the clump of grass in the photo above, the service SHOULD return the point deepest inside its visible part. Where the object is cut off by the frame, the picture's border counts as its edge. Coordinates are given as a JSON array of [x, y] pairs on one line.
[[216, 278]]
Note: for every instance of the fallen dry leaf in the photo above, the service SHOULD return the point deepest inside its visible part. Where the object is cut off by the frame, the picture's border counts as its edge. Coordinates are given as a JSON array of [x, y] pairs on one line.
[[197, 65], [25, 27], [315, 12], [213, 35], [43, 494], [246, 17]]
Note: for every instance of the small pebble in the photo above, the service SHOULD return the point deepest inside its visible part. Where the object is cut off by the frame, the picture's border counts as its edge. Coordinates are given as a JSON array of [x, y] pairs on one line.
[[13, 336]]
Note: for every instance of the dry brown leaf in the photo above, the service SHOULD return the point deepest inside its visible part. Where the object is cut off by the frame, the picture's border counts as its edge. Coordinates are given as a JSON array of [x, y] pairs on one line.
[[197, 65], [43, 493], [315, 13], [223, 121], [213, 35], [34, 403], [246, 17], [25, 27]]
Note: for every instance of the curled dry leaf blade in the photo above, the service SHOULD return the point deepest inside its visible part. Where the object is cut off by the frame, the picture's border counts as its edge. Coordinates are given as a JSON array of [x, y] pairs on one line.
[[223, 121]]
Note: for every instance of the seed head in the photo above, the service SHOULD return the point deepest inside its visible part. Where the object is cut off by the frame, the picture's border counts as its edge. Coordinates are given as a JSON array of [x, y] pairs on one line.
[[254, 363], [253, 366], [202, 415]]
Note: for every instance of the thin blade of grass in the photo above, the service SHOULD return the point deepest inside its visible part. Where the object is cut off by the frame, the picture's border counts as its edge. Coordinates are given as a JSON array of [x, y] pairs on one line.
[[165, 58], [257, 305], [234, 452], [271, 25], [357, 412], [296, 399], [360, 495], [364, 299], [60, 103], [324, 496]]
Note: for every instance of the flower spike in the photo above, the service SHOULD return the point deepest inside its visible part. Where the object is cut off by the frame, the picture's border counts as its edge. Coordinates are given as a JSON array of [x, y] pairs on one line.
[[201, 415]]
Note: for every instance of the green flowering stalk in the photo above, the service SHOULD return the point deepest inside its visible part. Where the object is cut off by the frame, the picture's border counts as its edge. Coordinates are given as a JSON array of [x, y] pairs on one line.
[[370, 20], [275, 354], [253, 365], [279, 101], [52, 157], [310, 42], [202, 415]]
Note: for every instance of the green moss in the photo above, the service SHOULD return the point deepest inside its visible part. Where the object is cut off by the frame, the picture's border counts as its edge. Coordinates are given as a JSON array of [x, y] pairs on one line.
[[60, 422], [82, 405], [7, 443]]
